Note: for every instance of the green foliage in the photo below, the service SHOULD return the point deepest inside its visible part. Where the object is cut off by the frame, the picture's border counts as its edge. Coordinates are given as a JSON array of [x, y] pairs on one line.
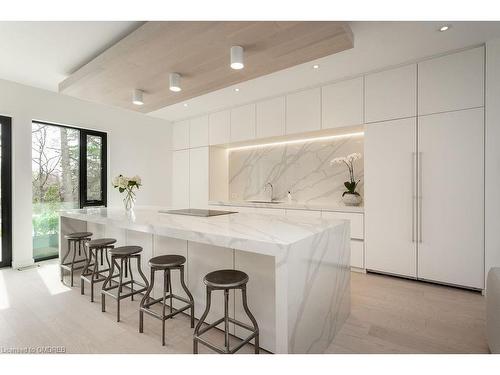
[[45, 223], [351, 187]]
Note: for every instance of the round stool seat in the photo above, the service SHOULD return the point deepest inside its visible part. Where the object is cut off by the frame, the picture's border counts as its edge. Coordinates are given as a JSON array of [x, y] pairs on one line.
[[225, 279], [101, 242], [165, 261], [123, 251], [78, 235]]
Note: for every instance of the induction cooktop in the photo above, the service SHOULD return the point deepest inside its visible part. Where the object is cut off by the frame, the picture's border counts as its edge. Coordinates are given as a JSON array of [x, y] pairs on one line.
[[197, 212]]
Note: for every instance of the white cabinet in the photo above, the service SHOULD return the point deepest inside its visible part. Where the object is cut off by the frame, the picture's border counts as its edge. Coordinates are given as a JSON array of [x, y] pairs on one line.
[[342, 104], [219, 125], [303, 112], [355, 219], [303, 213], [270, 117], [243, 123], [198, 132], [198, 177], [451, 82], [391, 94], [357, 254], [180, 179], [390, 192], [451, 173], [180, 135]]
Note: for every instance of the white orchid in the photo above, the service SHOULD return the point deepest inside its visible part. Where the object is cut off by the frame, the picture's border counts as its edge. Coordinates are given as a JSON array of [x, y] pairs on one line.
[[349, 161]]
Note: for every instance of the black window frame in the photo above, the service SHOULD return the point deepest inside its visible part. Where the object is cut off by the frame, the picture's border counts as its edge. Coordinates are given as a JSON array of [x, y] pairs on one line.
[[84, 201], [82, 170], [6, 123]]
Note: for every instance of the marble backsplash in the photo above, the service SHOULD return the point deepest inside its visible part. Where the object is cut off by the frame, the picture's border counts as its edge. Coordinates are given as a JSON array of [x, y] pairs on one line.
[[304, 169]]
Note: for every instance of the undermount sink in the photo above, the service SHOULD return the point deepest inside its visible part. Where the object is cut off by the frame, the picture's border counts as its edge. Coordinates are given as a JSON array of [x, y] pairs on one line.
[[263, 201]]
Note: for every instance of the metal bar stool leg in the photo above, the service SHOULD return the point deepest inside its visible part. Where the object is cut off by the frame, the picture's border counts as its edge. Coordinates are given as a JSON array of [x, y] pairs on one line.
[[95, 274], [201, 321], [165, 290], [226, 319], [106, 282], [190, 296], [73, 262], [120, 285], [145, 300], [131, 279]]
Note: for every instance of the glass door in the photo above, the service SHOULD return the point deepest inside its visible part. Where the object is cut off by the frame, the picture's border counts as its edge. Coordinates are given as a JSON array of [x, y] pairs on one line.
[[5, 192], [68, 171]]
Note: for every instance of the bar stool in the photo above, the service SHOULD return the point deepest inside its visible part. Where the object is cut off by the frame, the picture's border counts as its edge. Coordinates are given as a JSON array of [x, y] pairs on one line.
[[226, 280], [96, 275], [78, 240], [124, 254], [166, 263]]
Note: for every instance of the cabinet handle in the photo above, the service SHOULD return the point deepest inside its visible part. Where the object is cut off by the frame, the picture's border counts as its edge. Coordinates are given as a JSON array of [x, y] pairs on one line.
[[419, 212], [413, 195]]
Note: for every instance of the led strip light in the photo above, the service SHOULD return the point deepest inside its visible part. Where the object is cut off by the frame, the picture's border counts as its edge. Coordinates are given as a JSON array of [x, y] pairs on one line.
[[304, 140]]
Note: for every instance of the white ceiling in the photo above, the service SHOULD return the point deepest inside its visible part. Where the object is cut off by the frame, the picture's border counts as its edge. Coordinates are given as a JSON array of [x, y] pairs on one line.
[[42, 54], [376, 46]]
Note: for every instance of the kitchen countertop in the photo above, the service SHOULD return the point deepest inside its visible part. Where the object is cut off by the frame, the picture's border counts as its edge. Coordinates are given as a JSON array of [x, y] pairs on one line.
[[291, 206], [265, 234]]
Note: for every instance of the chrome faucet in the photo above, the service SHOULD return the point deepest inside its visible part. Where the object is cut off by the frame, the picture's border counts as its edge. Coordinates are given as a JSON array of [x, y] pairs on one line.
[[272, 190]]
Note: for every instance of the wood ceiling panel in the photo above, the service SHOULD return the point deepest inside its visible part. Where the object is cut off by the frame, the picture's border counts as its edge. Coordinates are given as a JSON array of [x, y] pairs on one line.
[[199, 51]]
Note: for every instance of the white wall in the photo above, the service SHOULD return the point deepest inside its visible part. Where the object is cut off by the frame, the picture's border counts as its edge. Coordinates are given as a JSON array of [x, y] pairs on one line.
[[492, 156], [137, 144]]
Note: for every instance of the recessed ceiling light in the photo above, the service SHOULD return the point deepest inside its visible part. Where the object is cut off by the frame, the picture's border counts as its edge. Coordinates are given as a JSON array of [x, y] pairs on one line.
[[185, 104], [237, 57], [315, 66], [137, 97], [175, 82], [237, 89], [444, 28]]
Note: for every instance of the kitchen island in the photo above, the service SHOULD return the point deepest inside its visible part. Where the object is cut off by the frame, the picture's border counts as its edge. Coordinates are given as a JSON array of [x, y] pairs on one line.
[[299, 287]]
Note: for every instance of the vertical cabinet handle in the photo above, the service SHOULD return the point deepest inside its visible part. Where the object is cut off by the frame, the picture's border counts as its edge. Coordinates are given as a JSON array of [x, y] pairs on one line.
[[413, 194], [419, 212]]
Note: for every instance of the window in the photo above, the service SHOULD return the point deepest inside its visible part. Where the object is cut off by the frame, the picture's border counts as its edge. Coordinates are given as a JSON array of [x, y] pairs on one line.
[[68, 171]]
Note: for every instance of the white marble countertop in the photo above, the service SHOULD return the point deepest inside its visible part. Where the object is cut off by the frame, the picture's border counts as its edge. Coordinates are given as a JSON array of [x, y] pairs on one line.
[[291, 206], [266, 234]]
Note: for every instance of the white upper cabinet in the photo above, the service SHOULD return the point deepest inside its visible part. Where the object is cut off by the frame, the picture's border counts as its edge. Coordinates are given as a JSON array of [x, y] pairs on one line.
[[342, 104], [198, 177], [219, 124], [180, 178], [451, 82], [243, 123], [391, 94], [180, 135], [303, 111], [198, 132], [271, 117]]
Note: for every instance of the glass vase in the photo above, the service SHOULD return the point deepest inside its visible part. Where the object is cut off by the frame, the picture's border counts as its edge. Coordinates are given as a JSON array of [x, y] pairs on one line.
[[129, 201]]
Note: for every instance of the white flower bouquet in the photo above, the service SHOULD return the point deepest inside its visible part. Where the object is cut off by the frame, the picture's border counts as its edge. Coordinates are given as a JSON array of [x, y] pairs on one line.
[[127, 185]]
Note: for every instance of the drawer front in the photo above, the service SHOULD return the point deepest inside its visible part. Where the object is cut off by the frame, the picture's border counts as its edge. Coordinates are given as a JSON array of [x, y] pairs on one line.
[[357, 226], [357, 254]]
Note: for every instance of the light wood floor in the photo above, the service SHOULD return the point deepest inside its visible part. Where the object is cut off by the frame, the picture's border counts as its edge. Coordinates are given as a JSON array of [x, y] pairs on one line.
[[389, 315]]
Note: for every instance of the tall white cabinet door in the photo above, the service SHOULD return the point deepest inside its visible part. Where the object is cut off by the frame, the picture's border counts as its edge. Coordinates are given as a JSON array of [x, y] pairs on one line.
[[451, 82], [198, 177], [342, 104], [303, 111], [271, 117], [243, 123], [391, 94], [198, 132], [390, 189], [180, 135], [451, 171], [180, 179], [219, 126]]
